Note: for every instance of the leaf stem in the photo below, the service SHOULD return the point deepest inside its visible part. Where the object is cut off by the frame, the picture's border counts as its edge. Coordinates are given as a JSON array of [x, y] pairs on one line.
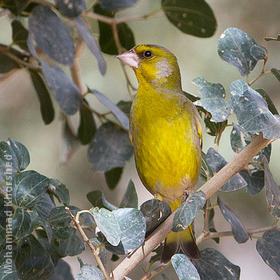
[[86, 240], [263, 72]]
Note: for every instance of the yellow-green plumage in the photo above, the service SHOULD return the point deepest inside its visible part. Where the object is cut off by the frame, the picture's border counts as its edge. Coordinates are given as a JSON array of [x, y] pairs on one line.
[[165, 132]]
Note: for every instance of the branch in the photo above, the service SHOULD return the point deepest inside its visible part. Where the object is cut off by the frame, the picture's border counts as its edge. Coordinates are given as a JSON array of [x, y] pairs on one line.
[[209, 188], [86, 240], [212, 235], [75, 69]]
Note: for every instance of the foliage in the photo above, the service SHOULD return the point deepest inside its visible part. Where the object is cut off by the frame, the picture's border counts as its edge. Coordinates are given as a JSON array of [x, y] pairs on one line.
[[36, 229]]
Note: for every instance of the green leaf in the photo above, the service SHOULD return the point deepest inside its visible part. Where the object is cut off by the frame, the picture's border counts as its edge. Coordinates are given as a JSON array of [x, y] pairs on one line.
[[7, 64], [60, 222], [130, 198], [252, 111], [194, 17], [120, 115], [235, 139], [67, 94], [268, 100], [214, 128], [184, 268], [113, 176], [21, 223], [28, 186], [107, 224], [205, 171], [133, 230], [268, 248], [109, 148], [239, 49], [272, 191], [112, 5], [71, 8], [125, 106], [91, 44], [213, 100], [154, 212], [62, 271], [239, 232], [44, 205], [89, 272], [106, 38], [272, 38], [216, 161], [210, 220], [14, 157], [255, 181], [70, 141], [33, 262], [46, 106], [276, 74], [214, 265], [97, 199], [51, 35], [19, 34], [87, 126], [60, 191], [71, 246], [186, 213]]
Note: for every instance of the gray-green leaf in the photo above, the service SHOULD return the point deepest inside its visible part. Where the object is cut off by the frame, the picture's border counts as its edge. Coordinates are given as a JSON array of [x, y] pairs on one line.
[[97, 199], [130, 198], [213, 100], [268, 247], [252, 111], [214, 265], [28, 186], [67, 94], [194, 17], [186, 213], [51, 35], [109, 148], [217, 162], [107, 224], [239, 232], [272, 191], [239, 49], [120, 115], [184, 268], [91, 44], [89, 272]]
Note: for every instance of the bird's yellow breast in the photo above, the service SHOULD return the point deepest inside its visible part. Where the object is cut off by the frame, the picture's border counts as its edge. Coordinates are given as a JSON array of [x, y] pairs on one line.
[[165, 140]]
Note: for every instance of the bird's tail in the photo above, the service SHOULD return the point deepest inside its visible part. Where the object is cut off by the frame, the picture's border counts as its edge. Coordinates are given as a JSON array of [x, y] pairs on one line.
[[182, 241]]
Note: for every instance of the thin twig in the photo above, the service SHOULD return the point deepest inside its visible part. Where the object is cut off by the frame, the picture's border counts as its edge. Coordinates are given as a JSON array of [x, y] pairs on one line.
[[209, 188], [155, 272], [86, 240], [42, 2], [211, 235]]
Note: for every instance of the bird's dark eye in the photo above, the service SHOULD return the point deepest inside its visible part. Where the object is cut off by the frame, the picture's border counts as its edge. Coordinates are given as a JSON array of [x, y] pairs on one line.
[[147, 54]]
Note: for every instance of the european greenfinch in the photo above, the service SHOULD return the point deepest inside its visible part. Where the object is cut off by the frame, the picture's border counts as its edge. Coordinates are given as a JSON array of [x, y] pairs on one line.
[[165, 133]]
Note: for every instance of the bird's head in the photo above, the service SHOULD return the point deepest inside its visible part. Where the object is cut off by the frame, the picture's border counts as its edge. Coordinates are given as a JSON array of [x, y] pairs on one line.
[[154, 65]]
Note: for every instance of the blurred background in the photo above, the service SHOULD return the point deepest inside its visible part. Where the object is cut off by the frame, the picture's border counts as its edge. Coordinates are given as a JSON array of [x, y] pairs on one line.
[[20, 117]]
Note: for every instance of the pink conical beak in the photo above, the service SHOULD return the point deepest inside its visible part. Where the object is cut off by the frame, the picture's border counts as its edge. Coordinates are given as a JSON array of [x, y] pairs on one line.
[[130, 58]]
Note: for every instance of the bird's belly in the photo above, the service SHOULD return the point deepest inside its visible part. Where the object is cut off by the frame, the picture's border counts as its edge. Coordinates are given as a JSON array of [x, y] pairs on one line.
[[166, 158]]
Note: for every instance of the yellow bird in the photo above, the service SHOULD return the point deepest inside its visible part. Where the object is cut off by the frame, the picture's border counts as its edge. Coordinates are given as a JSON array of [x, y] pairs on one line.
[[166, 135]]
